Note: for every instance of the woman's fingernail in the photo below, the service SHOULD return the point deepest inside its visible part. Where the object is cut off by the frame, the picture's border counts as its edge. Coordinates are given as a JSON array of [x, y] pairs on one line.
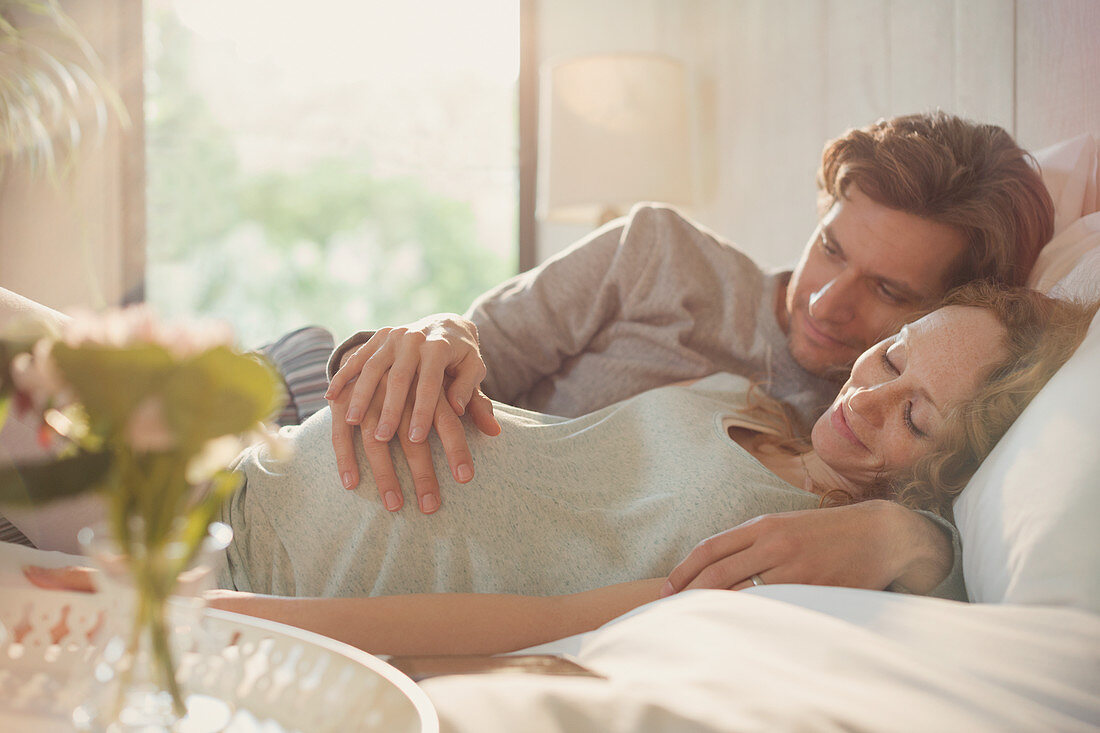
[[382, 432], [353, 415], [667, 589], [429, 503], [416, 434], [347, 479], [465, 473], [393, 501]]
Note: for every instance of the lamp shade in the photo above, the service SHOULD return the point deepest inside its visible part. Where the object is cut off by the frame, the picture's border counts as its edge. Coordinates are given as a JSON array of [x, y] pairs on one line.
[[613, 131]]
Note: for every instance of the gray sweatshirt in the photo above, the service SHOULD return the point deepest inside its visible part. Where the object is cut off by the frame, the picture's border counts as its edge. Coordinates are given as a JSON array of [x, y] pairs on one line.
[[647, 300]]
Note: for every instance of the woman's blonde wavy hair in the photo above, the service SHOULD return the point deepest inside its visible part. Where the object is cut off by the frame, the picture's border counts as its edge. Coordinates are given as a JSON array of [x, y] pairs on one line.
[[1041, 334]]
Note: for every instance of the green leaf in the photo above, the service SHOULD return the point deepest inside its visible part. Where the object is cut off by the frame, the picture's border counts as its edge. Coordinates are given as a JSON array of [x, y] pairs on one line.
[[111, 381], [159, 489], [199, 517], [45, 481], [220, 392]]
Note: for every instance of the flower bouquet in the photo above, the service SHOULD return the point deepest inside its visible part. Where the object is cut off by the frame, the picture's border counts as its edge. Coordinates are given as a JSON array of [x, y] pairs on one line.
[[149, 415]]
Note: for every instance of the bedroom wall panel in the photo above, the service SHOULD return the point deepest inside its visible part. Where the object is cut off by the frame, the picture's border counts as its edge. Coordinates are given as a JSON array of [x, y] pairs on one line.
[[857, 62], [772, 85], [797, 74], [1057, 70], [921, 53], [984, 66]]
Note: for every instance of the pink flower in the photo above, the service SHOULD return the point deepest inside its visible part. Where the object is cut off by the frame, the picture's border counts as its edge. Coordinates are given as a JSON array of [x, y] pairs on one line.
[[37, 378], [215, 456], [146, 431], [121, 328]]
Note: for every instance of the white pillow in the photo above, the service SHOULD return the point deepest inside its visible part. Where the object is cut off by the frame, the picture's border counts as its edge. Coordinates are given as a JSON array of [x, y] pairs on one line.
[[1068, 266], [1028, 517], [1071, 173]]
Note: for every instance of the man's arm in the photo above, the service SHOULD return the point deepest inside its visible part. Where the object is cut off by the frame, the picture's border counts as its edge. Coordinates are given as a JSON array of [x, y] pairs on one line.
[[528, 325], [551, 306], [871, 544], [649, 267], [952, 586]]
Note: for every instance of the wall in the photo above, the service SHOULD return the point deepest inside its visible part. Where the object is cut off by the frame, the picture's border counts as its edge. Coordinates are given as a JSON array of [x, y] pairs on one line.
[[775, 79], [79, 240]]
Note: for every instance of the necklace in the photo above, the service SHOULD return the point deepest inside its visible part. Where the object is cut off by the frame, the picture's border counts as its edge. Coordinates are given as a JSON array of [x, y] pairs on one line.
[[808, 482]]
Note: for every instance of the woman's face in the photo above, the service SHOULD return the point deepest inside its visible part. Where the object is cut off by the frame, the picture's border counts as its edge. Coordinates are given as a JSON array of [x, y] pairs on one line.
[[891, 410]]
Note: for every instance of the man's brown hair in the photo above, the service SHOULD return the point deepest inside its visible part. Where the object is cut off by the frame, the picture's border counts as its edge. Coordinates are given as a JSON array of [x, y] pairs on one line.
[[972, 177]]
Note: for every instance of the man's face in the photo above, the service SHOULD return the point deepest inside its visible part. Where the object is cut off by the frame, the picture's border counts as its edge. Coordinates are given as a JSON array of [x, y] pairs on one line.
[[865, 269]]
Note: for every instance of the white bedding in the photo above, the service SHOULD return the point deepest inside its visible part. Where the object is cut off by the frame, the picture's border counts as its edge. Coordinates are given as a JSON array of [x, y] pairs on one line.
[[803, 658], [786, 657]]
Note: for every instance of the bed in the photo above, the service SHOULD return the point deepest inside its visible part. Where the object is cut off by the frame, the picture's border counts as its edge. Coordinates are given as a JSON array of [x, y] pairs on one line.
[[1025, 655]]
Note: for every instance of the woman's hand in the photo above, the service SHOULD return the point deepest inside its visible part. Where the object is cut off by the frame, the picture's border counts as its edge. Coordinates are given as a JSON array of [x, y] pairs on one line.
[[866, 545], [70, 577], [394, 383]]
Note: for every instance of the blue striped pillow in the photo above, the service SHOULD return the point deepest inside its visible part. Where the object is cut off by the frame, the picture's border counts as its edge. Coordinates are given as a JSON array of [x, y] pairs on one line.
[[301, 357]]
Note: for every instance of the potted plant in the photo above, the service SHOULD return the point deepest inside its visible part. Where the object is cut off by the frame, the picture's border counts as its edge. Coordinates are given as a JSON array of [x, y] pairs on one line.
[[148, 414], [52, 85]]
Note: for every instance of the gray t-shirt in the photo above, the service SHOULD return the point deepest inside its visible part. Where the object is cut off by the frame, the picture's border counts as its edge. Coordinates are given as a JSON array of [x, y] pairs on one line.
[[558, 505]]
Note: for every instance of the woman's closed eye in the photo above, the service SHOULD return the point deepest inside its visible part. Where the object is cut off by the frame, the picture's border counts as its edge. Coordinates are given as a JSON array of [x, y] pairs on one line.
[[828, 247], [908, 417], [889, 295], [907, 411], [885, 354]]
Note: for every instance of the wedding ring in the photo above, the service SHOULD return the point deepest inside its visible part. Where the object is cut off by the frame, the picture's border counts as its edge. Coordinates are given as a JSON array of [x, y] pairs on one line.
[[757, 580]]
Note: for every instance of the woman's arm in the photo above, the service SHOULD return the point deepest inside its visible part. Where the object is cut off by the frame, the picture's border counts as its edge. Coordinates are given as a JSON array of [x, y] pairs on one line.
[[869, 544], [445, 623]]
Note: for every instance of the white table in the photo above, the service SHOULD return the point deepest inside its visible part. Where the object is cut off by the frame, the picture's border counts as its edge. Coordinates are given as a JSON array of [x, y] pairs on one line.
[[254, 674]]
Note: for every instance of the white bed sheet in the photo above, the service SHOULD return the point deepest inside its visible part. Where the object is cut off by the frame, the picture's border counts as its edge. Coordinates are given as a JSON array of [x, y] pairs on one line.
[[803, 658], [786, 657]]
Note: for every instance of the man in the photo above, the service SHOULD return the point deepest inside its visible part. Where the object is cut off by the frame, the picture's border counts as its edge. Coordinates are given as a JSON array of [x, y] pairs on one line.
[[910, 207]]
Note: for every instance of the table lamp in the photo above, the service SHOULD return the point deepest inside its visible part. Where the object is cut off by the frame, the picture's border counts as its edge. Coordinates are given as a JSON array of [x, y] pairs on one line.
[[613, 130]]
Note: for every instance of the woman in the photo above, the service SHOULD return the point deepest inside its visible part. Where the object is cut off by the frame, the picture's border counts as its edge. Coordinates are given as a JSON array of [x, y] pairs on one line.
[[622, 493]]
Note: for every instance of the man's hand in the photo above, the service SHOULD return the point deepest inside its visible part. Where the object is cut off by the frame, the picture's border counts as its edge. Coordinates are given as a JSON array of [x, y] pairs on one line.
[[421, 353], [866, 545], [417, 455]]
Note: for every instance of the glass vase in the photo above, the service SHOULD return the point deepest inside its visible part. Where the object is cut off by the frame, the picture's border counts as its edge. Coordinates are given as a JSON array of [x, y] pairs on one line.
[[154, 619]]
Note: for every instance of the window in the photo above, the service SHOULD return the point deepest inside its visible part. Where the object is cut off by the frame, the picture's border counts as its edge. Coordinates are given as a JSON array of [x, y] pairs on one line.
[[350, 163]]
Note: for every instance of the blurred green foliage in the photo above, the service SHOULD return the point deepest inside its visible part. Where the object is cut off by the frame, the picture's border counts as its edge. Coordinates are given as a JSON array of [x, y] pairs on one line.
[[330, 243]]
